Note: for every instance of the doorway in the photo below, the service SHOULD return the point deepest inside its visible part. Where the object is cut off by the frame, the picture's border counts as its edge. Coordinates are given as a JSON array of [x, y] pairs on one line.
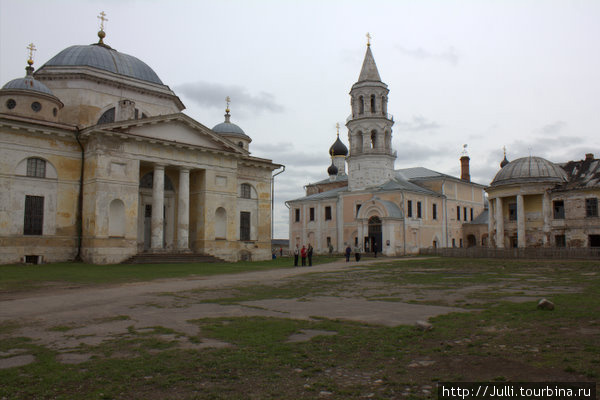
[[375, 237]]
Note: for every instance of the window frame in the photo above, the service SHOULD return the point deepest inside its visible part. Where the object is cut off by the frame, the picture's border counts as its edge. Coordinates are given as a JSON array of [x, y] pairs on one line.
[[245, 191], [36, 167], [245, 225], [558, 209], [33, 216], [513, 212], [591, 207], [328, 213]]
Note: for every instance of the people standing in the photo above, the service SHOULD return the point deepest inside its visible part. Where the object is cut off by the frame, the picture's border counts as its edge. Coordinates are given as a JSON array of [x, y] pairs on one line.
[[348, 252], [374, 249], [303, 256], [309, 253], [296, 252], [357, 252]]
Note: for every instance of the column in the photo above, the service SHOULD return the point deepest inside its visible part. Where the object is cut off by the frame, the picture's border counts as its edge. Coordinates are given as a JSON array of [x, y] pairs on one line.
[[499, 224], [491, 221], [521, 242], [158, 202], [183, 210], [546, 216]]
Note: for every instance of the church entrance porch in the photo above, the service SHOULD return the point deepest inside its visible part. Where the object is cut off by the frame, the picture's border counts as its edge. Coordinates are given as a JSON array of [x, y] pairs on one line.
[[374, 240]]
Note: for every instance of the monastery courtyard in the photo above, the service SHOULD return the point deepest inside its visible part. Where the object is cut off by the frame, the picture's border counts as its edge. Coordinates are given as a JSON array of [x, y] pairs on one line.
[[380, 328]]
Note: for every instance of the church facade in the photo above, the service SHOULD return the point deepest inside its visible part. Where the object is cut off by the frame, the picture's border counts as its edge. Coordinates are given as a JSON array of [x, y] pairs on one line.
[[99, 163], [376, 207]]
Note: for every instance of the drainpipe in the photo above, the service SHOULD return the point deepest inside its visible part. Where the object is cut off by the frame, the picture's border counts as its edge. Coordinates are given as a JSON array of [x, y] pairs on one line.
[[79, 222], [403, 227], [445, 233], [273, 199]]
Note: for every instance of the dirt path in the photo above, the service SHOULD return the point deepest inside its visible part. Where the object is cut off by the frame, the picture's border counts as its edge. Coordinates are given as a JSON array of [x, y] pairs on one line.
[[66, 319]]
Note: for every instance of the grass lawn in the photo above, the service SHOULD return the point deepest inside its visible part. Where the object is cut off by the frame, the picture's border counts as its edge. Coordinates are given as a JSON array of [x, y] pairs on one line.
[[501, 336], [15, 278]]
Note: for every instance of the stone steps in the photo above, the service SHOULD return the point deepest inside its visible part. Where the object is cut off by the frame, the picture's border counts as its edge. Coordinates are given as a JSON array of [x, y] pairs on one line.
[[171, 258]]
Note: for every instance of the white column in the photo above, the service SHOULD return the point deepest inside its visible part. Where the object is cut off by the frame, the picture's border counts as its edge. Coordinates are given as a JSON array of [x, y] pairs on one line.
[[521, 242], [183, 210], [499, 224], [546, 216], [158, 202], [491, 221]]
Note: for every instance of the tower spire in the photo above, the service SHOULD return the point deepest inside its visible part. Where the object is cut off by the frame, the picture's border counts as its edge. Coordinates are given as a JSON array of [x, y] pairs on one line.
[[369, 70], [101, 33]]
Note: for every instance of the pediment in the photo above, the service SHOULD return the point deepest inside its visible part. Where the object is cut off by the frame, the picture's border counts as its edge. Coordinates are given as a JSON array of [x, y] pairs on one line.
[[174, 128]]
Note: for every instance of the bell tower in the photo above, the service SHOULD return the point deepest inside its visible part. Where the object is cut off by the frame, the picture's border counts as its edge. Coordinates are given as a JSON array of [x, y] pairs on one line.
[[371, 159]]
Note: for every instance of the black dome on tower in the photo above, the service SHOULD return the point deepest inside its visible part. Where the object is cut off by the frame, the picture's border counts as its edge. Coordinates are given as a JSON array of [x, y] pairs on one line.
[[332, 170], [338, 148]]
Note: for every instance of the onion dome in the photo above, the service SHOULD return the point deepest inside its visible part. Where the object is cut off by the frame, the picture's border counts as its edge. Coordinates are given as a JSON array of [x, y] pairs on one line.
[[505, 161], [332, 170], [338, 148], [529, 170]]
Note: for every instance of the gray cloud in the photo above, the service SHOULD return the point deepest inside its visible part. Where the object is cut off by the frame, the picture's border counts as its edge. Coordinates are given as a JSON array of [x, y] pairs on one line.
[[450, 55], [417, 124], [213, 95], [409, 152], [286, 153], [553, 128]]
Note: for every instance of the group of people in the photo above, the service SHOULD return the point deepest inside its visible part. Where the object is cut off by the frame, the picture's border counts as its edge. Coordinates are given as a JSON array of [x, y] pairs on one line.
[[304, 253]]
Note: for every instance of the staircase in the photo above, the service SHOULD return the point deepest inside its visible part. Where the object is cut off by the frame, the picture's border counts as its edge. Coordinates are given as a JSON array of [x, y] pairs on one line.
[[171, 258]]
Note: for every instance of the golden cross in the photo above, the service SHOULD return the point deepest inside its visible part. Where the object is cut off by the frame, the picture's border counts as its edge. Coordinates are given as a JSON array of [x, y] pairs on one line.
[[337, 126], [504, 148], [369, 39], [31, 49], [102, 18], [228, 100]]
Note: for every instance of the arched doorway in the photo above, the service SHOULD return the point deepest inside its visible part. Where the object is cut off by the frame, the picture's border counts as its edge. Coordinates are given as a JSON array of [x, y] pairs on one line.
[[375, 237], [471, 241]]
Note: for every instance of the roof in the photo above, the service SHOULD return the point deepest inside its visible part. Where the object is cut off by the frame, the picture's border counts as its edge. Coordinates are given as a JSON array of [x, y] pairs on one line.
[[369, 68], [582, 174], [403, 184], [28, 83], [330, 194], [338, 148], [481, 219], [105, 58], [529, 170]]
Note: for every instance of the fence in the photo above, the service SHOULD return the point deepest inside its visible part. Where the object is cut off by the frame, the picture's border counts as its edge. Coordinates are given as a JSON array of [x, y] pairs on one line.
[[529, 252]]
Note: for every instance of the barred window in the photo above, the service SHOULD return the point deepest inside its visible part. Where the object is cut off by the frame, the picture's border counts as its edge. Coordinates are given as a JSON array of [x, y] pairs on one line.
[[591, 207], [36, 167], [246, 192], [34, 215], [244, 225]]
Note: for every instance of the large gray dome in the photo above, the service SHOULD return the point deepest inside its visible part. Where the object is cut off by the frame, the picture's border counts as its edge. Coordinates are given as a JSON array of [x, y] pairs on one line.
[[229, 128], [529, 170], [103, 57]]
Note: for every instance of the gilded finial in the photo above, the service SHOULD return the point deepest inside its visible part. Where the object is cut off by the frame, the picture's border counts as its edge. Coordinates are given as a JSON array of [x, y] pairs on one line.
[[369, 39], [101, 34], [31, 49], [228, 100], [504, 149], [337, 126]]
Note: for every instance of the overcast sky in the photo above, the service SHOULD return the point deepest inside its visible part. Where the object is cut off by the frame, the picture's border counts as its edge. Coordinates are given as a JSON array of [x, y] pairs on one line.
[[521, 74]]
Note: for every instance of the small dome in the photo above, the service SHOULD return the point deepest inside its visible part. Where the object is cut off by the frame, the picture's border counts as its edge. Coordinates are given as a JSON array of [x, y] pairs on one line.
[[28, 83], [504, 162], [529, 170], [332, 170], [338, 148], [229, 129], [105, 58]]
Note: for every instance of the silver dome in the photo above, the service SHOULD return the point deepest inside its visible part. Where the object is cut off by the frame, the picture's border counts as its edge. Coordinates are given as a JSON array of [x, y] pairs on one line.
[[103, 57], [27, 83], [529, 170]]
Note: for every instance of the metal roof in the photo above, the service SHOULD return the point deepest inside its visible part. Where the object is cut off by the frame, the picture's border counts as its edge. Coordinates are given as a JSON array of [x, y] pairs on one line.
[[27, 83], [529, 169]]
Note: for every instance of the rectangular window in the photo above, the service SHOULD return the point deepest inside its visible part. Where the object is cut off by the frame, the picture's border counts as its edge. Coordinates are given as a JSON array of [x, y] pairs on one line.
[[409, 208], [434, 211], [327, 213], [471, 214], [244, 225], [419, 215], [453, 242], [512, 211], [34, 215], [464, 214], [328, 241], [357, 209], [457, 214], [312, 214], [36, 167], [460, 241], [246, 191], [560, 241], [297, 215], [591, 207], [594, 240], [559, 209]]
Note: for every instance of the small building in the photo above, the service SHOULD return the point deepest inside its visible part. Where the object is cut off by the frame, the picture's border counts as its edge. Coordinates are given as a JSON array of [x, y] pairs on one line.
[[537, 203]]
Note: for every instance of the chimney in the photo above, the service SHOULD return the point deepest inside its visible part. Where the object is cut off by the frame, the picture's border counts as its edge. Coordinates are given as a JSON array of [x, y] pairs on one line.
[[464, 169], [589, 156]]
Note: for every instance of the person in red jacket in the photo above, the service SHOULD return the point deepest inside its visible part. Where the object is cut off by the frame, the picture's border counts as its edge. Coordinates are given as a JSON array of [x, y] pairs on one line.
[[303, 255]]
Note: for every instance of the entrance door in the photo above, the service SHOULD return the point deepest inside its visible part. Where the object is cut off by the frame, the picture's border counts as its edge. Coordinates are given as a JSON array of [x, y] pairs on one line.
[[147, 226], [375, 236]]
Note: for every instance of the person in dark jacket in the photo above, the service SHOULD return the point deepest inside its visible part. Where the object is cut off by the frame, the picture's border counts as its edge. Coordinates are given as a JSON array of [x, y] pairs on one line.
[[348, 252], [309, 253]]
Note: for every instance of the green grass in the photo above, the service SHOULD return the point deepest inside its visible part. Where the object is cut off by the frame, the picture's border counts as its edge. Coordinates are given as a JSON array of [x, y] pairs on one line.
[[499, 341], [14, 278]]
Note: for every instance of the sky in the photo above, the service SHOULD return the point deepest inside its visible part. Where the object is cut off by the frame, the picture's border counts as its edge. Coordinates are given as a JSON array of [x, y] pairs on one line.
[[490, 74]]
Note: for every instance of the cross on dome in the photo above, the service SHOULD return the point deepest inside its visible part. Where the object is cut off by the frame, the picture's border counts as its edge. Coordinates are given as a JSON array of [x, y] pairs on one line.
[[368, 39], [31, 49]]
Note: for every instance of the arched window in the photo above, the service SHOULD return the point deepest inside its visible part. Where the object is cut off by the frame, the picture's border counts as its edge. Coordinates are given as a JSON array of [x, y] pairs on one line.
[[373, 103], [116, 218], [36, 167], [383, 105], [361, 105], [107, 117], [246, 191], [373, 139], [220, 223], [241, 144]]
